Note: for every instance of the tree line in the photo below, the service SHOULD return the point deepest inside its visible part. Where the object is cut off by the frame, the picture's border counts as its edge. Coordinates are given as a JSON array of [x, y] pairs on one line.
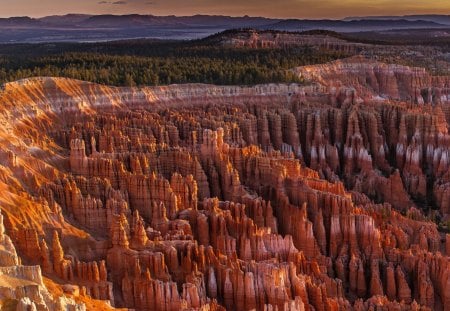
[[139, 63]]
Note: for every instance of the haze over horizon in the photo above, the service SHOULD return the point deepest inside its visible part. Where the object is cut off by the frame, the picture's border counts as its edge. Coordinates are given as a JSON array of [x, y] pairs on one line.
[[333, 9]]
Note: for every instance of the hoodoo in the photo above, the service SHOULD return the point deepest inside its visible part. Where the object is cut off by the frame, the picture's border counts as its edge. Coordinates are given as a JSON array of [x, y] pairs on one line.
[[199, 197]]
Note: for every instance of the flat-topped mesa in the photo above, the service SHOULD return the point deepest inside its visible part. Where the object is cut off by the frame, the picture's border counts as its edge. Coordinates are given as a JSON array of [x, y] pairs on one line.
[[272, 39]]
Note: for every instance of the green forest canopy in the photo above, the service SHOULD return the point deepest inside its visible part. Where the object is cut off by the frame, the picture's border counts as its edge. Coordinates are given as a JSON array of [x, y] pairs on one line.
[[150, 62]]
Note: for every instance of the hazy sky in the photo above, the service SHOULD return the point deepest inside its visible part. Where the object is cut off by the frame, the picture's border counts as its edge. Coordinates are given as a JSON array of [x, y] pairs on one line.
[[270, 8]]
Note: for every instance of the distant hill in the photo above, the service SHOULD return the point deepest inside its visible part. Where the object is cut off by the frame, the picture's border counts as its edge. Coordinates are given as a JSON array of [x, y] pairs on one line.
[[436, 18], [61, 20], [92, 28], [23, 21], [135, 20], [354, 25], [269, 34]]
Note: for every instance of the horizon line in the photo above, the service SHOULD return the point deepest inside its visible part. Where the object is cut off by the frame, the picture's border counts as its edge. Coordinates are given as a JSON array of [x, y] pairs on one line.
[[233, 16]]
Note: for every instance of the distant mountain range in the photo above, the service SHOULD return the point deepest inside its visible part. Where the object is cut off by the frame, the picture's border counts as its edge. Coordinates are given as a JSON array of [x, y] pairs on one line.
[[79, 27], [135, 21], [439, 19], [354, 25]]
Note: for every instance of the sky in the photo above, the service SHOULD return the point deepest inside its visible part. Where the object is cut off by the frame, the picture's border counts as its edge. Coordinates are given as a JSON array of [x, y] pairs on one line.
[[270, 8]]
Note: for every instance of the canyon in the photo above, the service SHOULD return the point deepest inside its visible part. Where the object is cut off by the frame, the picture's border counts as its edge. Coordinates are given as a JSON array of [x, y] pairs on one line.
[[328, 195]]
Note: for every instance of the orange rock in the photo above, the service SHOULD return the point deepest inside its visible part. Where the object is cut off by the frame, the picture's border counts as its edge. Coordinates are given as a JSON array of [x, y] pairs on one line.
[[242, 198]]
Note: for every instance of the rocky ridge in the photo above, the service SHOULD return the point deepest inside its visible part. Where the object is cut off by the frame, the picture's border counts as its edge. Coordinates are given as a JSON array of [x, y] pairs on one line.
[[254, 39]]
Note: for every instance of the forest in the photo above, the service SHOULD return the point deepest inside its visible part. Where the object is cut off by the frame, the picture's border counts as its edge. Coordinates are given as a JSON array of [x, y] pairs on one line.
[[150, 62]]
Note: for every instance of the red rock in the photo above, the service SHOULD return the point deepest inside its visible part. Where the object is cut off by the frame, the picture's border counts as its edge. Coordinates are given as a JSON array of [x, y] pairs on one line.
[[197, 197]]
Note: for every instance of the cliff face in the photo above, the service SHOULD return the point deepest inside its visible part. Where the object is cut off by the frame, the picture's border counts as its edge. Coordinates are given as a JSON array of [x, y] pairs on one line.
[[239, 198]]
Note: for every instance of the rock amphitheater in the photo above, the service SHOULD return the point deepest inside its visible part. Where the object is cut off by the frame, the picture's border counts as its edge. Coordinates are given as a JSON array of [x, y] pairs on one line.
[[325, 196]]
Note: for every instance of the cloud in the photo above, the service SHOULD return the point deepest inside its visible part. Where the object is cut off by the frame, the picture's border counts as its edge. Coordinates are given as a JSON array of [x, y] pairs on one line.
[[115, 2]]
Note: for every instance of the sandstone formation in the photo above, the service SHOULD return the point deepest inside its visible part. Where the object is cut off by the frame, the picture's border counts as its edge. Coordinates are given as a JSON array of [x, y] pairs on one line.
[[198, 197], [23, 286]]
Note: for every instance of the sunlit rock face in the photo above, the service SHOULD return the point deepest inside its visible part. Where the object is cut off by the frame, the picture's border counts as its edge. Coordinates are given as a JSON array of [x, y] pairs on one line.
[[199, 197], [23, 286], [377, 81]]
